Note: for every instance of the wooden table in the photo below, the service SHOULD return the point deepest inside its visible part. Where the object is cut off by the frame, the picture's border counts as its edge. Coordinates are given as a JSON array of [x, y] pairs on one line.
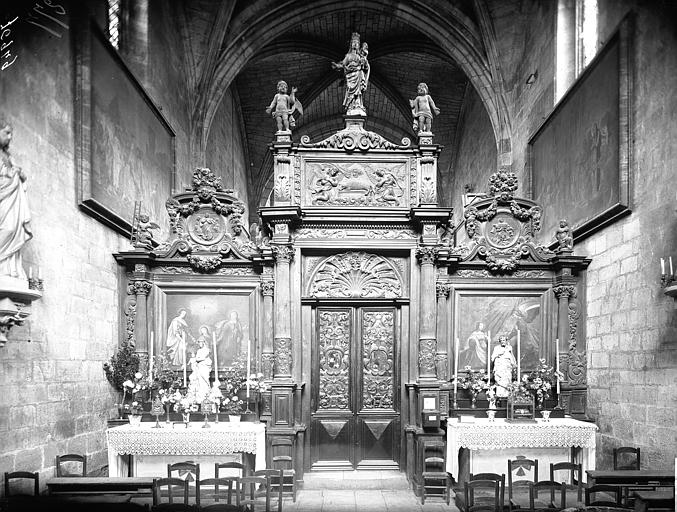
[[153, 448], [96, 485], [632, 477]]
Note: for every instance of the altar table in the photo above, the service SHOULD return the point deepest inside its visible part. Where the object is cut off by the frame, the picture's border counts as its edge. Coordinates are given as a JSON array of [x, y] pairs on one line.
[[499, 434], [154, 447]]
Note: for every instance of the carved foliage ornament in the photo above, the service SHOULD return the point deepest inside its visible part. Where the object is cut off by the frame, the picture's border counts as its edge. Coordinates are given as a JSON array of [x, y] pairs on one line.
[[205, 264], [351, 139], [282, 348], [358, 275], [334, 351], [427, 254], [378, 359], [427, 349]]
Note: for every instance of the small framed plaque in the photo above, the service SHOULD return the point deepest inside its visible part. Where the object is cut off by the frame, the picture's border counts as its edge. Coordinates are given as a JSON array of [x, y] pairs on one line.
[[521, 409]]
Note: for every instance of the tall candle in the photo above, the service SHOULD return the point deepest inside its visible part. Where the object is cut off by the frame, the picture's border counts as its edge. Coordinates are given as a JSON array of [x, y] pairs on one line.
[[662, 266], [519, 357], [488, 356], [672, 273], [456, 367], [185, 350], [216, 362], [249, 362], [150, 357], [557, 363]]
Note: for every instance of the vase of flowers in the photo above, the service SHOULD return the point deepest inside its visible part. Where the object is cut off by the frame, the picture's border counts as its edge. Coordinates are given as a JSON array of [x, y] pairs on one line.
[[185, 404], [122, 368], [540, 382], [475, 382], [133, 386]]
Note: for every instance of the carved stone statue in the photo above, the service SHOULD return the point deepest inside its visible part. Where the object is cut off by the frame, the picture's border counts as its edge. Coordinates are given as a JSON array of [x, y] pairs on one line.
[[423, 107], [283, 106], [14, 212], [144, 237], [503, 361], [564, 237], [201, 366], [356, 70]]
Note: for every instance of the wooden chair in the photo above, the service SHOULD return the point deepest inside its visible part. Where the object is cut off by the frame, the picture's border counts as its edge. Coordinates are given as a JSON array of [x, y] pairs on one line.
[[491, 496], [224, 492], [273, 488], [176, 489], [622, 454], [501, 489], [22, 475], [283, 458], [553, 488], [70, 458], [518, 486], [188, 471], [575, 477], [228, 465], [434, 477], [603, 495], [248, 496], [25, 498]]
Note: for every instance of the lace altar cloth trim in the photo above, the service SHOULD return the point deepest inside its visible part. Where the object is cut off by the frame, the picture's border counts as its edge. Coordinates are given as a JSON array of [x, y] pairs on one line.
[[224, 438], [485, 435]]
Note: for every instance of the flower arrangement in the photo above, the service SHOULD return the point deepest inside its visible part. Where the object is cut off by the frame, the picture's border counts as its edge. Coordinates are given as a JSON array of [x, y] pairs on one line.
[[474, 381], [231, 402], [137, 383], [123, 365], [541, 380], [163, 377], [184, 402]]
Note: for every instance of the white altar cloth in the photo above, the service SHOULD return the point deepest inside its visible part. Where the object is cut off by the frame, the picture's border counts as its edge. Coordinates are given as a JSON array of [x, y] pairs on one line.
[[220, 439], [483, 434]]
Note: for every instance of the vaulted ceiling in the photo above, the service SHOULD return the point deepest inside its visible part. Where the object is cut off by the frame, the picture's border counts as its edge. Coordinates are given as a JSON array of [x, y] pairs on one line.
[[301, 51]]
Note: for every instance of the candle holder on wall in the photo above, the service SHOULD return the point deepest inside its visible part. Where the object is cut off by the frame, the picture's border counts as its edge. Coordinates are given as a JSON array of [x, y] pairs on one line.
[[669, 280]]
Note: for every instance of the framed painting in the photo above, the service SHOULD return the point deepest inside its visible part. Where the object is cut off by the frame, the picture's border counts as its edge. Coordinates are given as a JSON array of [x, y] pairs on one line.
[[480, 317], [221, 317], [579, 159], [125, 148]]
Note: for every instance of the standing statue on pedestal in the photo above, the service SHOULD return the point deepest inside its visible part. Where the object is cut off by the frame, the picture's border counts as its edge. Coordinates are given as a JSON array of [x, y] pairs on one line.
[[503, 361], [355, 67], [14, 212], [201, 366], [423, 107], [565, 239], [283, 106]]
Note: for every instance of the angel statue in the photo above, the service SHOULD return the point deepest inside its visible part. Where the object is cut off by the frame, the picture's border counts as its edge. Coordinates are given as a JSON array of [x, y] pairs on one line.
[[144, 237], [423, 107], [283, 107], [355, 67]]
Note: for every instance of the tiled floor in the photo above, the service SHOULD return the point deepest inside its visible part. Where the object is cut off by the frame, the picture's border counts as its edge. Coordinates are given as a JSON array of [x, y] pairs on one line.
[[369, 500]]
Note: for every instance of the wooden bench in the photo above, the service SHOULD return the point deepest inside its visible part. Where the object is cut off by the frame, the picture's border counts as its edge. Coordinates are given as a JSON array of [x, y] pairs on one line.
[[99, 485]]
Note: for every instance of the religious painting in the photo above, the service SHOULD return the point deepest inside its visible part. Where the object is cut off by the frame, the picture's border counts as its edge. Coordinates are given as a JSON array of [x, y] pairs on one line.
[[221, 323], [125, 148], [481, 318], [382, 184], [579, 158]]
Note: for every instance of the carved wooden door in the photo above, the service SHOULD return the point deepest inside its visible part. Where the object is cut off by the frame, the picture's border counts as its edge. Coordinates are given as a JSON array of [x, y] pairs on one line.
[[355, 408]]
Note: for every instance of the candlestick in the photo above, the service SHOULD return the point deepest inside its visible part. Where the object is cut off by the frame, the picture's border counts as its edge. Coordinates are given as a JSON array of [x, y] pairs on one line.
[[249, 362], [150, 357], [456, 367], [557, 364], [185, 350], [671, 271], [488, 356], [662, 266], [519, 357], [216, 362]]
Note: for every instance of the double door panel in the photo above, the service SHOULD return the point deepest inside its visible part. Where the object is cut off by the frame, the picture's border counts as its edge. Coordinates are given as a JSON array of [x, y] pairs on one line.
[[355, 411]]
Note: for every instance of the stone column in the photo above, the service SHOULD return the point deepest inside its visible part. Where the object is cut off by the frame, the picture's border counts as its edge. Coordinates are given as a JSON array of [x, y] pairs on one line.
[[563, 293], [267, 354], [427, 342], [141, 289], [282, 340], [442, 357]]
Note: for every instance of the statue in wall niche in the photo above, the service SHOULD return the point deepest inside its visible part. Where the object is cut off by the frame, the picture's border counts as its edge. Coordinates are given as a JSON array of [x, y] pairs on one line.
[[283, 107], [564, 237], [15, 215], [355, 67], [503, 361], [423, 107]]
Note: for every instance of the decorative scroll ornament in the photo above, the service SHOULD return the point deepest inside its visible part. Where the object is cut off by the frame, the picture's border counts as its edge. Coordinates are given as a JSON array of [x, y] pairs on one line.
[[378, 359], [353, 137], [334, 349], [357, 275], [282, 348], [502, 227], [268, 288], [427, 349], [208, 219]]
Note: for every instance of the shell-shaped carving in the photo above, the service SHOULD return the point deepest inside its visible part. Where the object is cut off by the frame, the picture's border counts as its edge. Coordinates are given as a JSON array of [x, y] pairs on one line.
[[357, 275]]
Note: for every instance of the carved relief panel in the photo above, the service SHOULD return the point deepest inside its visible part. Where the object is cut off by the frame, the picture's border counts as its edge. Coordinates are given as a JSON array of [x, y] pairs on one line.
[[382, 184]]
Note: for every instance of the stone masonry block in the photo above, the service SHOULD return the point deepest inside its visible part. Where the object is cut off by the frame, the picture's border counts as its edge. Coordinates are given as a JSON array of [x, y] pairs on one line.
[[629, 264], [599, 359], [631, 229], [22, 416]]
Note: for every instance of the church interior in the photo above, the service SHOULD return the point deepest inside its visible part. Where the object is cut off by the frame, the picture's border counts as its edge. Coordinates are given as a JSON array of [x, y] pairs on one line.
[[383, 235]]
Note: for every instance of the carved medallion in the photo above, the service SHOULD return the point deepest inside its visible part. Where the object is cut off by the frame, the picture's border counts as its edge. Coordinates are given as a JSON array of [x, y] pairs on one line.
[[206, 227], [334, 351], [502, 231], [356, 274], [378, 359]]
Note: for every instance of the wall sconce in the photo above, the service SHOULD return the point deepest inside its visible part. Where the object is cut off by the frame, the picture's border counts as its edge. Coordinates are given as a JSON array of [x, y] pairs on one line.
[[10, 315], [532, 78], [15, 296], [669, 281]]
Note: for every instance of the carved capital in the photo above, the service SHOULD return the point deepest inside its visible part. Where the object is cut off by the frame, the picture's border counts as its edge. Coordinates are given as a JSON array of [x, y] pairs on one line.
[[267, 361], [282, 348], [140, 287], [268, 288], [427, 254], [443, 290], [564, 292], [283, 253], [441, 366]]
